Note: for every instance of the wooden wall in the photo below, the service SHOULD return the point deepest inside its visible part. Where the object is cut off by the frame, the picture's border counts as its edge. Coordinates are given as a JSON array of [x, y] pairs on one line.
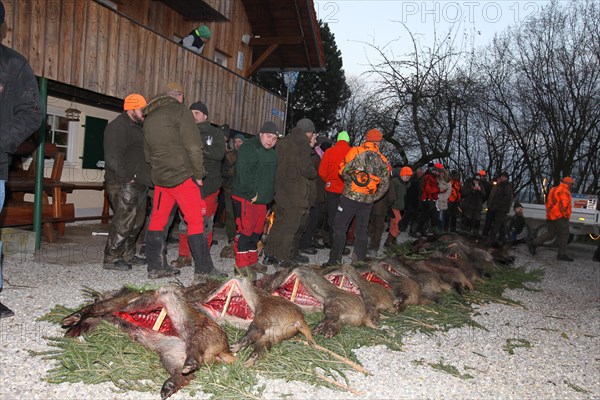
[[82, 43]]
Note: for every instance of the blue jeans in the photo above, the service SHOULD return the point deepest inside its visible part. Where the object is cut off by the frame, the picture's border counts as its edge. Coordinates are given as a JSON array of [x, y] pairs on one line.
[[1, 205]]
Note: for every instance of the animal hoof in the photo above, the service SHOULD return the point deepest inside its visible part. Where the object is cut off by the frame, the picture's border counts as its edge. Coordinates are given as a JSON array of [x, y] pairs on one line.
[[168, 389], [189, 366]]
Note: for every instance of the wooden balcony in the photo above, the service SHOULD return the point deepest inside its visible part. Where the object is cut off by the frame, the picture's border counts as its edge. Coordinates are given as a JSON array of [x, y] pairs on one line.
[[87, 45]]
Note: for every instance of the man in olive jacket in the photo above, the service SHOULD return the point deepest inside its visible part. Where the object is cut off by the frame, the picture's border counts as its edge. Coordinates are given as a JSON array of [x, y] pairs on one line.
[[174, 150], [253, 188], [214, 151], [295, 193]]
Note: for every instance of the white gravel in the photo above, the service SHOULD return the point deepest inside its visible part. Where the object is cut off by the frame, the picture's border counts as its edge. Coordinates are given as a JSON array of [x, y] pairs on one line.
[[561, 322]]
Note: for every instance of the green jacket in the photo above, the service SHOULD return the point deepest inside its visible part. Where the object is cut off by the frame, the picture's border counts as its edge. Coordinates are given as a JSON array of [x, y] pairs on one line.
[[400, 188], [255, 172], [172, 144], [214, 151]]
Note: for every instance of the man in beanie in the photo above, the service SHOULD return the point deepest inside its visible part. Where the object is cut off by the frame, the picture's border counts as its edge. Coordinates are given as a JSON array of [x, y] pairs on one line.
[[253, 188], [366, 175], [295, 193], [126, 181], [558, 214], [499, 203], [196, 39], [20, 114], [430, 191], [214, 151], [400, 183], [453, 201], [228, 172], [175, 152], [329, 171]]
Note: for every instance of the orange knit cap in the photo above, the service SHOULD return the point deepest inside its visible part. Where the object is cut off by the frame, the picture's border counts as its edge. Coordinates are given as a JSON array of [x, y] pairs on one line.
[[374, 135], [482, 172], [567, 179], [406, 171], [134, 101]]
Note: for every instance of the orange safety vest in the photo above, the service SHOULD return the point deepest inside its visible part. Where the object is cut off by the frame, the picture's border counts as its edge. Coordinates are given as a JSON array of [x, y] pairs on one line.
[[558, 203], [455, 194]]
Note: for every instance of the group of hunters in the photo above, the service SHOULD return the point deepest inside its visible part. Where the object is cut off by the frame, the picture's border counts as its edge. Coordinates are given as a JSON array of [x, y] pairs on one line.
[[307, 185], [299, 188]]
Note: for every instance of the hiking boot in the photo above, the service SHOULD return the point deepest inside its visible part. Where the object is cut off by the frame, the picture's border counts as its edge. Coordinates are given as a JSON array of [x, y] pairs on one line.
[[227, 251], [271, 261], [564, 257], [135, 260], [181, 262], [163, 273], [5, 312], [300, 259], [331, 263], [390, 241], [371, 253], [119, 265], [531, 247], [258, 267], [309, 250]]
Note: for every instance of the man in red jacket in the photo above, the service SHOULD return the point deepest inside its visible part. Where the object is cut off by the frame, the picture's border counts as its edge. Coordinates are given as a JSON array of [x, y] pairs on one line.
[[329, 171], [429, 195]]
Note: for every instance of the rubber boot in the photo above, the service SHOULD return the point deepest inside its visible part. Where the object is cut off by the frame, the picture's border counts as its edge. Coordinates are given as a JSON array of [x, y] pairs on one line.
[[203, 263], [156, 256]]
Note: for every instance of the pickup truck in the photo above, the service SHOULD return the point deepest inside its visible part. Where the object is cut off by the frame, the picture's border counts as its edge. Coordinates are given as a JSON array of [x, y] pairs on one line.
[[585, 217]]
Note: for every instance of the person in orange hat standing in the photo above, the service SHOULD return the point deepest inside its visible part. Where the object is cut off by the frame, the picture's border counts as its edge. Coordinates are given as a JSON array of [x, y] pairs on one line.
[[126, 181], [401, 183], [558, 214], [366, 175]]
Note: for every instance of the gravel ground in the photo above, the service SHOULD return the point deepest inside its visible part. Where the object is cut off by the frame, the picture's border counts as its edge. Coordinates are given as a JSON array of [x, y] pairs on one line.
[[561, 322]]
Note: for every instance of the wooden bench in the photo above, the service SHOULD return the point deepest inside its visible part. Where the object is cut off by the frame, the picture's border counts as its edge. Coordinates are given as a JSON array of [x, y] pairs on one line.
[[104, 218], [18, 212]]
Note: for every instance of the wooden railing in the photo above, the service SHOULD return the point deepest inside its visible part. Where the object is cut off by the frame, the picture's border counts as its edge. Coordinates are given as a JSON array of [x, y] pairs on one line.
[[85, 44]]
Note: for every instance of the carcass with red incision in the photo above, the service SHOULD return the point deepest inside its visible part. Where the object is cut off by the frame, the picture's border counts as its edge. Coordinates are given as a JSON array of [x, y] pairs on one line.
[[164, 322], [275, 319], [287, 284], [340, 307]]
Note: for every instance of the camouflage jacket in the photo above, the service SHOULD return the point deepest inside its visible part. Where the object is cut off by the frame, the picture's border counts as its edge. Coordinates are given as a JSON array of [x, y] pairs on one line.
[[366, 173]]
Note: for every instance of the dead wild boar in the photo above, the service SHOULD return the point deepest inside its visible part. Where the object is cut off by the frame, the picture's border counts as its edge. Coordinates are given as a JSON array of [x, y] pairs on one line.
[[340, 307], [430, 282], [446, 271], [376, 297], [275, 319], [184, 339], [406, 290]]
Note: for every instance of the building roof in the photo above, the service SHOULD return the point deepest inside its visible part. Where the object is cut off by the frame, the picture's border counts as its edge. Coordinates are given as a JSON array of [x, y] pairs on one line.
[[286, 35]]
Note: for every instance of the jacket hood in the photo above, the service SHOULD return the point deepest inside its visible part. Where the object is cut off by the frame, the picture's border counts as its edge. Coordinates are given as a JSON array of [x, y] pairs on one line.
[[158, 102], [297, 135]]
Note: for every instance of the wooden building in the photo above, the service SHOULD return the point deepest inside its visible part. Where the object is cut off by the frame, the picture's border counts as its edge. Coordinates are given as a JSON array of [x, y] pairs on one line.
[[93, 53]]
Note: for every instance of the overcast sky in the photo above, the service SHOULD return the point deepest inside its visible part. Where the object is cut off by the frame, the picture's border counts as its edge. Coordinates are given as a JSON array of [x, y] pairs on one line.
[[378, 22]]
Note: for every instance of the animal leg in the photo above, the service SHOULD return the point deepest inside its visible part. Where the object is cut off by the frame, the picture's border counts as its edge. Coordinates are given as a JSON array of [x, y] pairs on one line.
[[305, 330], [254, 333], [174, 383]]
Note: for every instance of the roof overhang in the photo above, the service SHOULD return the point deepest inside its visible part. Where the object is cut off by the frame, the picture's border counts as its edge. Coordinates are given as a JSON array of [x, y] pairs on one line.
[[285, 36], [194, 10]]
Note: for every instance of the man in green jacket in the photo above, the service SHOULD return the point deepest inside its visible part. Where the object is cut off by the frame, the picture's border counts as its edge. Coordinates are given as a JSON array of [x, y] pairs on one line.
[[174, 150], [253, 188]]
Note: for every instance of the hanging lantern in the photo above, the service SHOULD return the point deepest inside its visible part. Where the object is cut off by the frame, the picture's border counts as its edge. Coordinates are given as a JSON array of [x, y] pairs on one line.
[[72, 113]]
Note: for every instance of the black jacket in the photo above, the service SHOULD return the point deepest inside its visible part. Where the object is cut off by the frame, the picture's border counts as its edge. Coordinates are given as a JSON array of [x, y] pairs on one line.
[[20, 113], [214, 151], [124, 152]]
